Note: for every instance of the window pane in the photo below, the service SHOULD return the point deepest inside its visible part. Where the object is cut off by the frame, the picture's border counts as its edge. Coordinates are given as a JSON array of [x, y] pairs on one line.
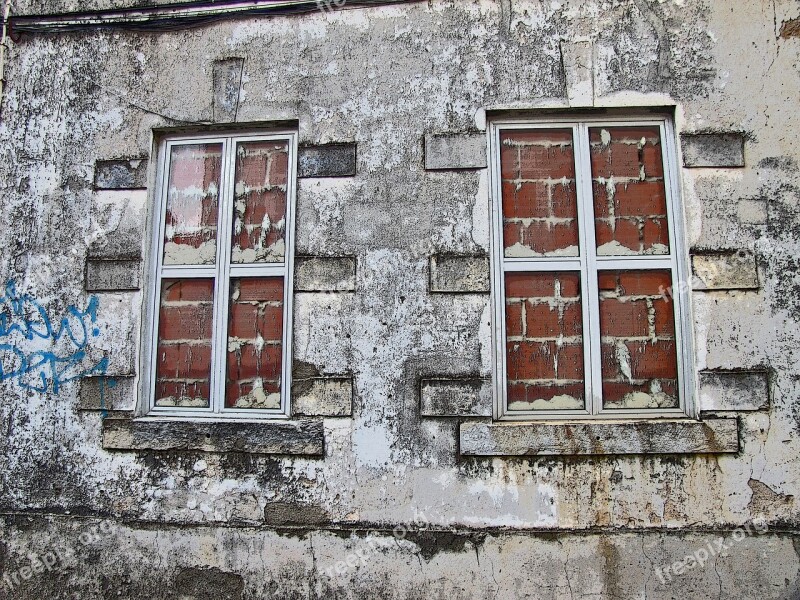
[[637, 329], [630, 202], [259, 218], [544, 337], [190, 235], [255, 333], [185, 323], [540, 206]]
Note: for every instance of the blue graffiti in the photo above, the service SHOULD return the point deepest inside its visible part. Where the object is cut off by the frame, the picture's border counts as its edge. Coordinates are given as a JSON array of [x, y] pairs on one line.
[[41, 353]]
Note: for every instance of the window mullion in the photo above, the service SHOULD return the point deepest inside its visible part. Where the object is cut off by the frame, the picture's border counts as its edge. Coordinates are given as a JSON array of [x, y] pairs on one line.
[[592, 369], [222, 291]]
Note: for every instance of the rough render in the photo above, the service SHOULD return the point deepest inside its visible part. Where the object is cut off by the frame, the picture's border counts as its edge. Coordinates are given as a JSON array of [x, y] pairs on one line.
[[383, 78]]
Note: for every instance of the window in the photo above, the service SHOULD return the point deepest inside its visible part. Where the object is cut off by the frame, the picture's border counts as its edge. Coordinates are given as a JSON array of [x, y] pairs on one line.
[[221, 303], [587, 251]]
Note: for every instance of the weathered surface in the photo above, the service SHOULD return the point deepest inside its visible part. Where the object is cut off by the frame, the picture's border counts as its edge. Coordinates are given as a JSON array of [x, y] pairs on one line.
[[325, 274], [327, 160], [713, 149], [455, 151], [729, 271], [734, 390], [277, 437], [227, 85], [382, 78], [107, 393], [459, 274], [711, 436], [113, 275], [322, 396], [122, 174], [456, 397]]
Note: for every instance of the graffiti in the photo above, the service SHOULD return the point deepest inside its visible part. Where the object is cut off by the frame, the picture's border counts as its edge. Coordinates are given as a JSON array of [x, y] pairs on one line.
[[43, 353]]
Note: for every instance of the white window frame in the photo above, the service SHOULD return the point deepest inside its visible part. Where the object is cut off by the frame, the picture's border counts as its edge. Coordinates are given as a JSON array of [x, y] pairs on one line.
[[222, 272], [588, 264]]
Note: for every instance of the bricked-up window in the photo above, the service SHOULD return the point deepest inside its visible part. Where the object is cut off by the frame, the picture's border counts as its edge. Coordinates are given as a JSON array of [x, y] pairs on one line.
[[221, 304], [588, 318]]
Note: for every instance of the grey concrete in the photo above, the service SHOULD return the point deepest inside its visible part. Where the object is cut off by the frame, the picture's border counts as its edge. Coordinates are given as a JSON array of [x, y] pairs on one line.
[[325, 274], [711, 436], [112, 275], [327, 160], [726, 271], [322, 397], [120, 174], [456, 397], [712, 149], [459, 274], [107, 393], [227, 85], [455, 151], [277, 437], [734, 390]]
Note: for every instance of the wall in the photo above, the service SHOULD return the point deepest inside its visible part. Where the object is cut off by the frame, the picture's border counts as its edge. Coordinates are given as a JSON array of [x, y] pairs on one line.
[[193, 524]]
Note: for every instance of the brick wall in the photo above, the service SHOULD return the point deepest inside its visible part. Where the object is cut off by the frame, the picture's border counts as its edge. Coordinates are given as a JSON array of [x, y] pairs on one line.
[[544, 336], [184, 342], [192, 204], [637, 329], [539, 194], [255, 330], [628, 186], [260, 203]]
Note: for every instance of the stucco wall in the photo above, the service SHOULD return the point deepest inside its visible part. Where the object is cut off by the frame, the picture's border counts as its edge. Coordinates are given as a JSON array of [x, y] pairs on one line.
[[383, 78]]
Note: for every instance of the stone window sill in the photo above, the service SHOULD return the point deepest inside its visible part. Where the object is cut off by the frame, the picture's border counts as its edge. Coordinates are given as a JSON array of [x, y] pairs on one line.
[[296, 437], [678, 436]]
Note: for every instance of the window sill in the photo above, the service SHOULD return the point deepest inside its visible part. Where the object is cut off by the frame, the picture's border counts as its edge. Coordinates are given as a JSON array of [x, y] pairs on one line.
[[679, 436], [297, 437]]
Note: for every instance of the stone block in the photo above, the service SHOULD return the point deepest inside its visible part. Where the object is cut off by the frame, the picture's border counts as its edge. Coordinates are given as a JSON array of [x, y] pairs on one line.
[[112, 275], [120, 174], [712, 149], [455, 151], [327, 160], [459, 274], [734, 390], [725, 271], [325, 274], [456, 397], [322, 397]]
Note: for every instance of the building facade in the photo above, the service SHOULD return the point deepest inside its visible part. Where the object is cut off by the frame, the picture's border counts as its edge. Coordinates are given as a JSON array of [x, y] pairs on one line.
[[427, 299]]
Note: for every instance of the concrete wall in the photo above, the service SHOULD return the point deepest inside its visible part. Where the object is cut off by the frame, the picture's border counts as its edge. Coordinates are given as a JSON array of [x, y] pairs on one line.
[[389, 334]]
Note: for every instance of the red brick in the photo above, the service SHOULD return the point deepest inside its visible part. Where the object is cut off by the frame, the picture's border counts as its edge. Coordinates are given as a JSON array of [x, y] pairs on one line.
[[530, 200], [542, 162], [626, 232], [185, 322], [196, 165], [270, 323], [513, 318], [260, 289], [531, 392], [512, 234], [565, 200], [626, 133], [655, 232], [187, 290], [664, 317], [644, 283], [570, 361], [193, 240], [184, 361], [279, 168], [570, 284], [542, 321], [198, 390], [259, 203], [651, 158], [617, 160], [243, 321], [615, 391], [509, 164], [653, 360], [251, 168], [641, 199], [531, 360], [607, 280], [572, 321], [529, 285], [247, 363], [234, 390], [623, 319], [539, 136], [543, 237]]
